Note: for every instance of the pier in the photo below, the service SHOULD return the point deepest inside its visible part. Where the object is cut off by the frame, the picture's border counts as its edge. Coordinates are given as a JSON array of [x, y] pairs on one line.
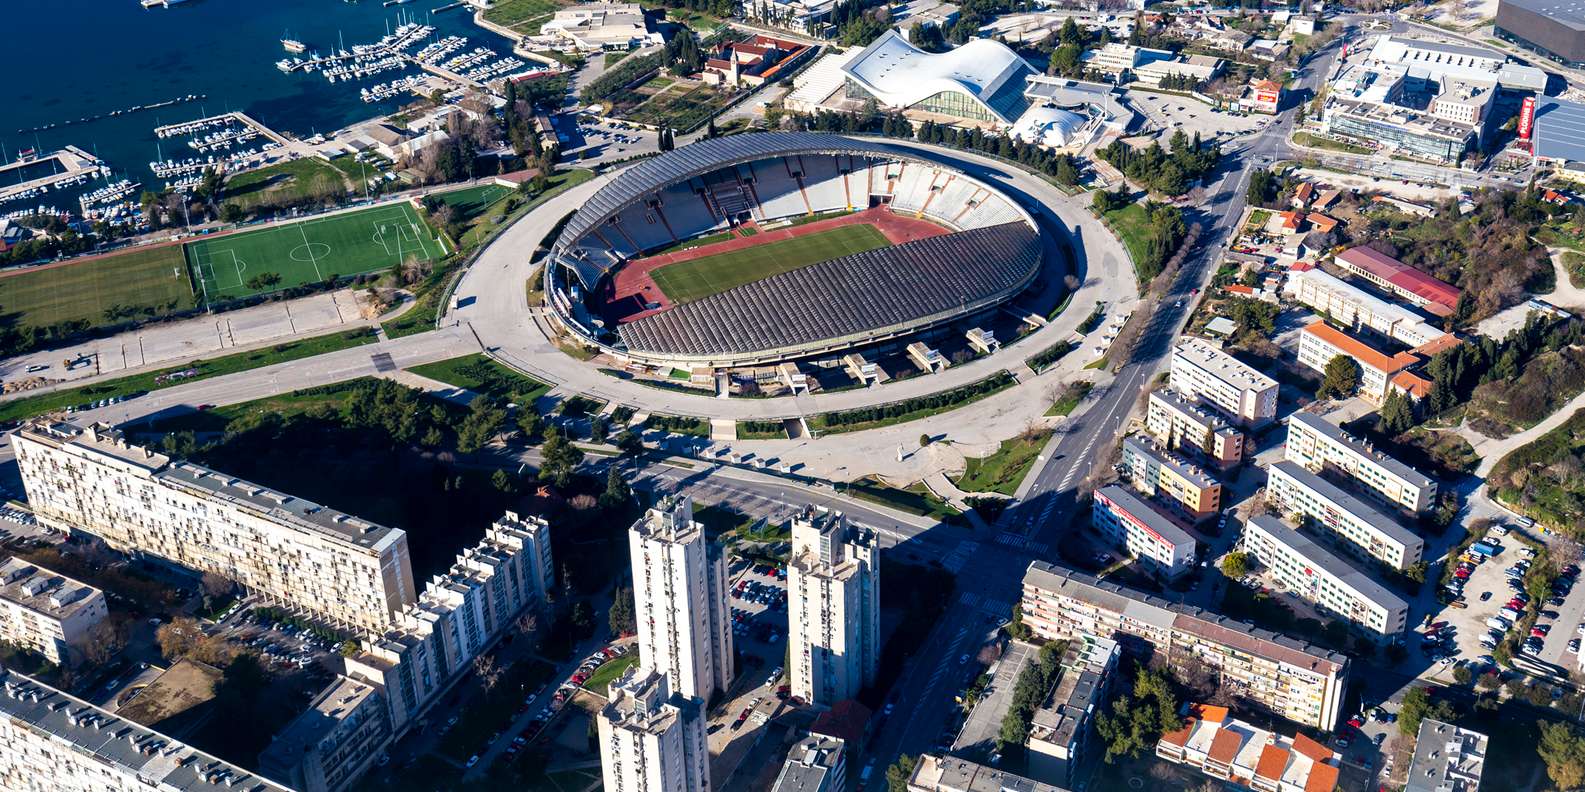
[[78, 167], [235, 116]]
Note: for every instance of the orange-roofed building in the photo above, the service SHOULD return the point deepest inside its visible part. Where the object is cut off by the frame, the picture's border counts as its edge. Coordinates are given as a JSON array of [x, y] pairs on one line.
[[1239, 289], [1291, 220], [1232, 750], [1315, 751], [1320, 342], [1302, 196], [1323, 223]]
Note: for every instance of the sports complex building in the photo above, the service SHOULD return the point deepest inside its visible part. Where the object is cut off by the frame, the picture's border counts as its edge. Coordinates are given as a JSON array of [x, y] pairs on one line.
[[761, 248]]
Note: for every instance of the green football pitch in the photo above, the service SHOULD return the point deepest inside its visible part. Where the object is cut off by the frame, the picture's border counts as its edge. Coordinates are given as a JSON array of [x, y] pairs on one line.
[[283, 256], [687, 281], [139, 283]]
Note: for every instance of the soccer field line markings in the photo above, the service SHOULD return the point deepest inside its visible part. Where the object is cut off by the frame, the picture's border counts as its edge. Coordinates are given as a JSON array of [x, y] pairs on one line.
[[309, 249]]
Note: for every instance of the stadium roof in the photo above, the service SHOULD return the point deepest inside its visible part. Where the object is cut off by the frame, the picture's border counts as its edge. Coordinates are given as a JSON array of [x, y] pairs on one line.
[[899, 74], [864, 293], [703, 157], [1559, 132], [1570, 13]]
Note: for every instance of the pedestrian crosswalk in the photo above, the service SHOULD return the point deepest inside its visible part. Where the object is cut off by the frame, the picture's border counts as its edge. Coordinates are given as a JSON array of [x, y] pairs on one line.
[[947, 659], [1022, 542], [989, 605], [959, 556]]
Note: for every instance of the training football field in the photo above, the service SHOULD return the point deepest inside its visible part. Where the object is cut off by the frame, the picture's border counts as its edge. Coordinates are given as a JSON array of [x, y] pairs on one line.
[[687, 281], [310, 251]]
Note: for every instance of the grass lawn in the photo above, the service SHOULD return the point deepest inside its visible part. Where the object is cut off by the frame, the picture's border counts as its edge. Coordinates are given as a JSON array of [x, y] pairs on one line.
[[916, 499], [1004, 470], [284, 405], [470, 202], [912, 410], [284, 181], [1070, 398], [514, 13], [691, 280], [600, 681], [357, 171], [1307, 139], [144, 281], [310, 251], [203, 369], [481, 374], [1131, 225]]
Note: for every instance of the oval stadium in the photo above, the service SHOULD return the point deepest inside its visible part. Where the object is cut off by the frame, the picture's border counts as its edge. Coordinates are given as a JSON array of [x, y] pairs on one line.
[[767, 247]]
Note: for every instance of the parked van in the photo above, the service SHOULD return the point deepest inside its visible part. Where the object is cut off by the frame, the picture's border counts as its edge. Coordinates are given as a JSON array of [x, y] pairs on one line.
[[1510, 614], [1498, 622]]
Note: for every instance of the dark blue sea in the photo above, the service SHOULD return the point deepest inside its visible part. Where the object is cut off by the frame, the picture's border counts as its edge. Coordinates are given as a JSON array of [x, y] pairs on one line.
[[62, 60]]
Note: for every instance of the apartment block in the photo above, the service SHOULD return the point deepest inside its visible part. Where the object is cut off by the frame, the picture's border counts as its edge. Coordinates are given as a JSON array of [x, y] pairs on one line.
[[944, 773], [1296, 680], [651, 739], [47, 612], [1319, 342], [459, 615], [833, 607], [1059, 731], [55, 742], [1351, 306], [1359, 525], [342, 569], [1202, 370], [1311, 571], [1133, 525], [1228, 749], [1185, 426], [1319, 444], [1164, 475], [680, 600], [332, 743], [1446, 758], [817, 763]]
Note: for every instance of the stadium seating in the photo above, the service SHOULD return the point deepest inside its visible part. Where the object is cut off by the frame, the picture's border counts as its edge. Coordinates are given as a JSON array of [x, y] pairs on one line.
[[778, 192], [822, 184]]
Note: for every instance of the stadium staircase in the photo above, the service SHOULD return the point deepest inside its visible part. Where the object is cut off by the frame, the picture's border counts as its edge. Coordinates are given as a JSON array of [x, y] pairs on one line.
[[729, 200]]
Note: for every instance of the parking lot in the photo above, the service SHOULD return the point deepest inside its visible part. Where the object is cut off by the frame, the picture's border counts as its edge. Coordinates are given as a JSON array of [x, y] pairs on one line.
[[1171, 112], [761, 691], [1493, 590]]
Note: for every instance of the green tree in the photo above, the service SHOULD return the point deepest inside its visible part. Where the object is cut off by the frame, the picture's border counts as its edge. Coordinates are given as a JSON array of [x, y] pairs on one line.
[[1139, 717], [617, 492], [1397, 414], [621, 614], [482, 422], [582, 618], [898, 774], [1562, 748], [1235, 564], [629, 442], [559, 458], [531, 424], [230, 213], [1341, 379], [1463, 675], [503, 481]]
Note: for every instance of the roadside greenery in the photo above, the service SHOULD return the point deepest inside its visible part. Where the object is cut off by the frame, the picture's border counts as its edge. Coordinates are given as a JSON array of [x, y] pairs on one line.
[[910, 409], [1034, 682], [1171, 171]]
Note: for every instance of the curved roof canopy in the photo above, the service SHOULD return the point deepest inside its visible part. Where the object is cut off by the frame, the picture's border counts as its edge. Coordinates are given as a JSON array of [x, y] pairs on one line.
[[699, 158], [899, 74], [1052, 126]]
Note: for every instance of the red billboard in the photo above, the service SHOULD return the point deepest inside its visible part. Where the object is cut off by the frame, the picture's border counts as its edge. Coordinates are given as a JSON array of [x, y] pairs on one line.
[[1526, 117]]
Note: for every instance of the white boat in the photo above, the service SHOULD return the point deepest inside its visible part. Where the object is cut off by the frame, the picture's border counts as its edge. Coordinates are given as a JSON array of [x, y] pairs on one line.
[[293, 45]]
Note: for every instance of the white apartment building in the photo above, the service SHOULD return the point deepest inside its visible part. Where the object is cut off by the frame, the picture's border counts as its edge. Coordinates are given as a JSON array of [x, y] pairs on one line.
[[1447, 758], [833, 607], [89, 480], [680, 600], [1358, 524], [1331, 583], [46, 612], [1201, 370], [54, 742], [817, 763], [459, 615], [1296, 680], [1134, 526], [652, 740], [1354, 307], [1319, 444], [1059, 730], [1184, 426], [333, 742]]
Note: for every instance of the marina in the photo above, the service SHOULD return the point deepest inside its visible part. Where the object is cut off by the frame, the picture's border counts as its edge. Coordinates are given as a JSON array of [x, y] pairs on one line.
[[69, 167], [114, 113]]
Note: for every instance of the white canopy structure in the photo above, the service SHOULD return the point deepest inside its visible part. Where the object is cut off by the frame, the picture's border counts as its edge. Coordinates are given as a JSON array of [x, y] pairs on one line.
[[982, 80]]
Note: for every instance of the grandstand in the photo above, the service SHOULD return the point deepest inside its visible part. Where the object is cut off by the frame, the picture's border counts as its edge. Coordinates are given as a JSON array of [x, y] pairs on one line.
[[973, 245]]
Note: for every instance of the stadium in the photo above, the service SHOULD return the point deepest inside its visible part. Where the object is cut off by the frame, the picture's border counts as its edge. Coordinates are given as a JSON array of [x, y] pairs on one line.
[[761, 248]]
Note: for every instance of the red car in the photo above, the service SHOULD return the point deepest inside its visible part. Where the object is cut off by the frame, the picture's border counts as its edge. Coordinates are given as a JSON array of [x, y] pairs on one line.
[[1355, 722]]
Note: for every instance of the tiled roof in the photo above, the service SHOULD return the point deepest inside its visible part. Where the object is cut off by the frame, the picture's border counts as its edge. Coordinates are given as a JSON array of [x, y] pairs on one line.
[[1323, 778], [1400, 275], [1359, 350], [1225, 746], [1308, 747], [1272, 762]]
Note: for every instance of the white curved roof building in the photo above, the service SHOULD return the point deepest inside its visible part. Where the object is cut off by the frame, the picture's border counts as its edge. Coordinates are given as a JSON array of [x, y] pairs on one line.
[[982, 80], [1049, 126]]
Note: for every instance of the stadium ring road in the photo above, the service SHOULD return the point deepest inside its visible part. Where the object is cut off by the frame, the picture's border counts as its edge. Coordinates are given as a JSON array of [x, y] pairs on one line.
[[491, 299]]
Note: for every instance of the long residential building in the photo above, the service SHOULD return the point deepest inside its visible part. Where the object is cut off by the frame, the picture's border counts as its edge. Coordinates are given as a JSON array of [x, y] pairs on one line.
[[946, 773], [55, 742], [1352, 306], [90, 480], [1296, 680], [680, 600], [651, 739], [460, 614], [1359, 525], [47, 612], [1201, 370], [1185, 426], [833, 607], [1133, 525], [1311, 571], [1319, 444], [1161, 474], [1379, 372], [1228, 749]]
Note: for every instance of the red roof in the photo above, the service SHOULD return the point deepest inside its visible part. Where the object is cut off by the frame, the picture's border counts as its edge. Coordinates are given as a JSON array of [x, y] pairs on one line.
[[846, 719], [1304, 192], [1273, 761], [1224, 747], [1323, 778], [1322, 222], [1400, 275], [1291, 219], [1238, 288], [1181, 736], [1310, 748], [1362, 353]]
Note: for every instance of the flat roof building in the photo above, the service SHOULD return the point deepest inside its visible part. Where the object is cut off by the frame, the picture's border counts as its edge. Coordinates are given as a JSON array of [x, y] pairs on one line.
[[1352, 306], [1558, 136], [1186, 427], [650, 738], [592, 27], [1161, 474], [331, 744], [47, 612], [817, 763], [1318, 444], [680, 599], [1325, 580], [1447, 758], [1554, 28], [58, 742], [1201, 370], [1134, 526], [1059, 730], [342, 569], [1293, 679], [934, 773], [1360, 526], [833, 607], [1229, 749]]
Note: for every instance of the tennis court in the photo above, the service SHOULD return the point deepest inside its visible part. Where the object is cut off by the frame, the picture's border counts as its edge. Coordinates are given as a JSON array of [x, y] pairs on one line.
[[310, 251]]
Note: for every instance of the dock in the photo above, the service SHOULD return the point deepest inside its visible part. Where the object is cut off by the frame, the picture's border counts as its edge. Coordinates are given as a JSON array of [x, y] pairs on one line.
[[237, 116], [78, 166]]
